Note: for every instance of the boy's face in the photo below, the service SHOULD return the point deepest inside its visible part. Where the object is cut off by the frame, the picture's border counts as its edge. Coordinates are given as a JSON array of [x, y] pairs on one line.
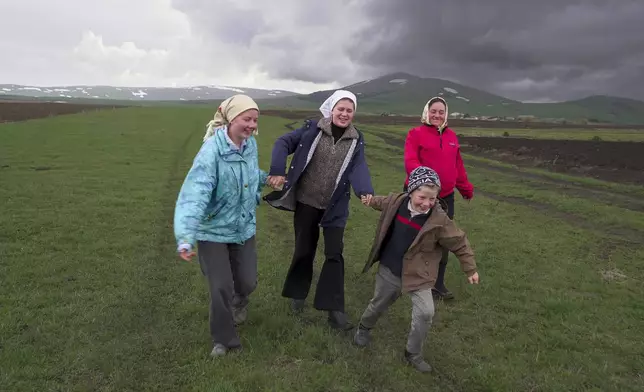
[[423, 198]]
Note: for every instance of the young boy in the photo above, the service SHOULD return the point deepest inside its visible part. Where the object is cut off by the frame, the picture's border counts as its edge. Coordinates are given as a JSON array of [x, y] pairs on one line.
[[412, 232]]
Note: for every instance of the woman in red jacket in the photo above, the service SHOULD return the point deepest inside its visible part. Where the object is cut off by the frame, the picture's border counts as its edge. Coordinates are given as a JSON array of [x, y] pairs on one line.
[[434, 145]]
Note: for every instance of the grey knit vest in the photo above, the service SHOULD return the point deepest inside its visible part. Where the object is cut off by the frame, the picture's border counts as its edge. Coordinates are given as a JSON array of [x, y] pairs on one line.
[[316, 185]]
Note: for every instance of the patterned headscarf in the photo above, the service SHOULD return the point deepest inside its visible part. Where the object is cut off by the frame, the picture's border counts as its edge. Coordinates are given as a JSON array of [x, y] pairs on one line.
[[228, 110], [424, 118]]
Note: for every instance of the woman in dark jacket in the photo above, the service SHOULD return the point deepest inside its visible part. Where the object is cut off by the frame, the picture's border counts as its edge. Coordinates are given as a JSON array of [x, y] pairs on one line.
[[328, 159]]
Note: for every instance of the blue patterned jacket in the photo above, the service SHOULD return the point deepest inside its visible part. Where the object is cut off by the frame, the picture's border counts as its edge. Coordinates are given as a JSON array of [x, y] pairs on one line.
[[219, 197]]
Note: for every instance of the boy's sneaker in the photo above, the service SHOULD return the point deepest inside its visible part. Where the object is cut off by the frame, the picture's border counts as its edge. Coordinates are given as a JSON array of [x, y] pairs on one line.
[[219, 350], [417, 361], [240, 315], [362, 337]]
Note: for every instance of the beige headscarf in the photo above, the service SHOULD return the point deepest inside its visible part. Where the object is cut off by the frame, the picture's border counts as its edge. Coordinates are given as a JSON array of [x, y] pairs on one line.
[[425, 117], [228, 110]]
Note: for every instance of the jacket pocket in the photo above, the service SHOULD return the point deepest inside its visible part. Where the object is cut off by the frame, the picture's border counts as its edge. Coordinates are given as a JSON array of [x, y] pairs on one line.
[[215, 211]]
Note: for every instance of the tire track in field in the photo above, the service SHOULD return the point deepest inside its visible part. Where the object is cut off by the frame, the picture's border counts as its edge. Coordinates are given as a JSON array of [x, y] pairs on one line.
[[619, 233], [543, 182], [159, 287]]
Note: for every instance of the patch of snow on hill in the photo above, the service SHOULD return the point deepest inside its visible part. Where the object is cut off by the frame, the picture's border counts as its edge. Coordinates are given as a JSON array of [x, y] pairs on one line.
[[30, 89], [463, 98], [61, 90], [6, 89], [229, 89], [450, 90], [140, 94], [399, 81]]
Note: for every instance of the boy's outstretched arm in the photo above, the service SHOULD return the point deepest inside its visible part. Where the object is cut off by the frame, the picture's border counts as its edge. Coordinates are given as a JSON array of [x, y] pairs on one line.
[[455, 240], [378, 203]]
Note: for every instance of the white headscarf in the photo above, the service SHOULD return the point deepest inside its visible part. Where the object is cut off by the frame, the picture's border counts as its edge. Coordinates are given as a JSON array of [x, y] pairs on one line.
[[329, 104]]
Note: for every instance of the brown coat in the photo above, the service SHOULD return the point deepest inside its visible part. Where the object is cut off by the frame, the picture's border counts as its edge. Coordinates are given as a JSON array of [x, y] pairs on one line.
[[420, 264]]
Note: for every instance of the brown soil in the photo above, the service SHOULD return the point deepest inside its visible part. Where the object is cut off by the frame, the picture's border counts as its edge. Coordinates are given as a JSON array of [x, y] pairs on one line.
[[20, 111], [621, 162]]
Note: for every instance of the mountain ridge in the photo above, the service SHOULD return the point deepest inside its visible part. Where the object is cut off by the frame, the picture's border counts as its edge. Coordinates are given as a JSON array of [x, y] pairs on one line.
[[189, 93], [395, 93]]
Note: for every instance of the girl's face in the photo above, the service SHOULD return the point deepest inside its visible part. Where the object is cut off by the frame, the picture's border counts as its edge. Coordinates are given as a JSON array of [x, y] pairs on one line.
[[437, 114], [423, 198], [243, 126], [343, 112]]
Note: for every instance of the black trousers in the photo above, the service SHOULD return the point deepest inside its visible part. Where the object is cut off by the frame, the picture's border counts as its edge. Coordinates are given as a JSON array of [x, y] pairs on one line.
[[447, 203], [329, 293]]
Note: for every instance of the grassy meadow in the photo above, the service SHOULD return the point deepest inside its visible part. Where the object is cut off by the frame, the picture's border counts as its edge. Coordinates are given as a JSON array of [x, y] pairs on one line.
[[94, 298]]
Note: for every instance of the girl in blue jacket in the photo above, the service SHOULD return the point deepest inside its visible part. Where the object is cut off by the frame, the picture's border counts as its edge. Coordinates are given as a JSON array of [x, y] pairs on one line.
[[216, 211], [328, 159]]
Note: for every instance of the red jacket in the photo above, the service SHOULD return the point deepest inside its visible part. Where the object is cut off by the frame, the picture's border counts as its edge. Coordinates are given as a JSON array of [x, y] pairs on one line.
[[424, 146]]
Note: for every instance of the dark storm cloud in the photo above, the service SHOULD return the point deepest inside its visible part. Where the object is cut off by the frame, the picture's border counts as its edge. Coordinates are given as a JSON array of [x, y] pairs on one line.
[[224, 20], [525, 50]]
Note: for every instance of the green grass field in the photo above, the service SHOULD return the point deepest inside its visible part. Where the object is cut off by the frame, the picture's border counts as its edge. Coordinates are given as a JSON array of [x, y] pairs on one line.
[[94, 298]]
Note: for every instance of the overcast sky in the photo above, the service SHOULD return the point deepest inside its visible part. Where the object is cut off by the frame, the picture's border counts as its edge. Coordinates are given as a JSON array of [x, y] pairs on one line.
[[523, 49]]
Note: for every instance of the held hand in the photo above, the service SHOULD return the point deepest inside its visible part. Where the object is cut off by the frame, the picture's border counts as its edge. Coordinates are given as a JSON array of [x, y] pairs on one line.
[[474, 279], [276, 182], [187, 255], [366, 199]]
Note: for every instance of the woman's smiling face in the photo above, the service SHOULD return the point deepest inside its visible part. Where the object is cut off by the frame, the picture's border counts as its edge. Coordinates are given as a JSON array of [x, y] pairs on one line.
[[343, 112], [437, 114]]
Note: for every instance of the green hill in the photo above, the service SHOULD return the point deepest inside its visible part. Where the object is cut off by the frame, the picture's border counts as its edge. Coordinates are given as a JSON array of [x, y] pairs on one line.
[[406, 94]]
